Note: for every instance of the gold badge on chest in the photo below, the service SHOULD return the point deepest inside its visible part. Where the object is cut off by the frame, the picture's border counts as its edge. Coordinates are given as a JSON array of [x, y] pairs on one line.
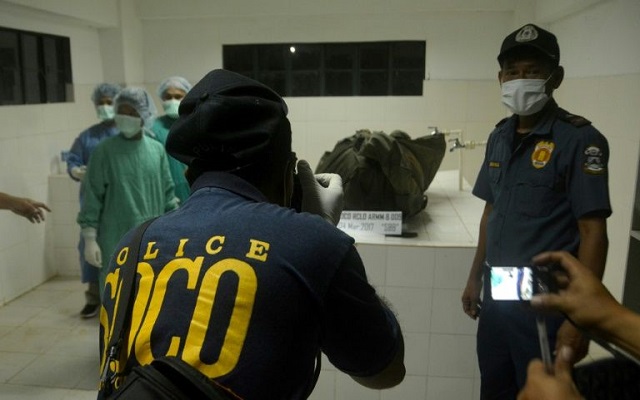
[[542, 154]]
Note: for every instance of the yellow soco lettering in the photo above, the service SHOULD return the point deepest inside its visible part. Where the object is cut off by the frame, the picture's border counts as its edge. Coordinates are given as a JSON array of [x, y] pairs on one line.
[[238, 323], [180, 251], [122, 256], [145, 287], [149, 255], [258, 250], [209, 247], [151, 293], [110, 289], [143, 340]]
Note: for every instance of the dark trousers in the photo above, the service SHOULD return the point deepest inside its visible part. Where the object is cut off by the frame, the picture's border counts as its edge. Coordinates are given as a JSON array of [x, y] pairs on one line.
[[507, 341]]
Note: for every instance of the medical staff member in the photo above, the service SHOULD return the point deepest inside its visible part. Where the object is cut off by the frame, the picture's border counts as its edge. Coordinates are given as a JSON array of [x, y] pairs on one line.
[[545, 183], [171, 91], [127, 180], [236, 282], [77, 161]]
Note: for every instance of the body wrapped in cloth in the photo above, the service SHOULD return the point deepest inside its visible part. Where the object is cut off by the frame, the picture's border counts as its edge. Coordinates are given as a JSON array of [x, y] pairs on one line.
[[385, 172]]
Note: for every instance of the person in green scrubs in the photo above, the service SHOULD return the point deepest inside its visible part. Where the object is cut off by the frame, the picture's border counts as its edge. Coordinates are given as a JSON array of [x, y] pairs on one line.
[[171, 91], [127, 181]]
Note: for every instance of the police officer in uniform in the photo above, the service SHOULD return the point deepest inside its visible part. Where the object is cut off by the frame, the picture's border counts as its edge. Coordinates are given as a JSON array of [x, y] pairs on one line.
[[545, 183], [236, 282]]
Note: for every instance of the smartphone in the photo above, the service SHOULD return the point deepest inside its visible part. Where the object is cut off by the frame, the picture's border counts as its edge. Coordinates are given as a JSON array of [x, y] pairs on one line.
[[520, 283]]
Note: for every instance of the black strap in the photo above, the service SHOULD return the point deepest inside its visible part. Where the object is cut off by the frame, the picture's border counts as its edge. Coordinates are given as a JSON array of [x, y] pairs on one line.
[[128, 271]]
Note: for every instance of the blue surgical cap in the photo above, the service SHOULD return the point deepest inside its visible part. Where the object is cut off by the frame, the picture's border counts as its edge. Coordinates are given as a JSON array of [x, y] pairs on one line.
[[105, 90], [176, 82], [140, 100]]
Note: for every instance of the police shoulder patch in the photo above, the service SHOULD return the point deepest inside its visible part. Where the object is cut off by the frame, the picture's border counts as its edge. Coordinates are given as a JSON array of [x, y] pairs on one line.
[[575, 120], [594, 163]]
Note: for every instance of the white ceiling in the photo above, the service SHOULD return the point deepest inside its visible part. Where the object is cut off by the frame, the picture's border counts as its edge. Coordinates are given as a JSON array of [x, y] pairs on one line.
[[152, 9], [541, 11]]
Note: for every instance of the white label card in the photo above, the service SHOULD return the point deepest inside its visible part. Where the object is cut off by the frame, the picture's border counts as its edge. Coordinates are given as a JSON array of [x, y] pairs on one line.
[[377, 222]]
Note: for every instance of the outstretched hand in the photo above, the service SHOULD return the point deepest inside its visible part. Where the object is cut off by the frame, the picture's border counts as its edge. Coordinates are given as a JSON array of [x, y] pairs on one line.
[[30, 209]]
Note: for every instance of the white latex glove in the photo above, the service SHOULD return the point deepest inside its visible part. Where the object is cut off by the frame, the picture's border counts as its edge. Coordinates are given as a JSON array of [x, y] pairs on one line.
[[79, 172], [322, 194], [92, 252]]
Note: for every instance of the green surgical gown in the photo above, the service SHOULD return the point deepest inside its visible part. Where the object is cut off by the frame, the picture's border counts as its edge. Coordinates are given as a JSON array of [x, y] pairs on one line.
[[127, 182], [160, 129]]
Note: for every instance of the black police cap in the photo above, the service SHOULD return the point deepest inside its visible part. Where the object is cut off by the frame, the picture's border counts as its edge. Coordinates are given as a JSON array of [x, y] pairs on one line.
[[532, 36], [228, 121]]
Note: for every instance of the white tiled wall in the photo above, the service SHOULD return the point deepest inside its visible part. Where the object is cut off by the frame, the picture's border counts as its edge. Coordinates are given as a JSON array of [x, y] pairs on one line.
[[63, 198], [31, 139]]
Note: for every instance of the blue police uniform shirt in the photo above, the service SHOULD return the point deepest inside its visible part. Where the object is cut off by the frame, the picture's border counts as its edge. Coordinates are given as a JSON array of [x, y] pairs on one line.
[[248, 292], [540, 188]]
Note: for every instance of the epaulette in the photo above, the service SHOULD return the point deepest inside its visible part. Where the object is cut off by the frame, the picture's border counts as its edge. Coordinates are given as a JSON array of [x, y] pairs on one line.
[[502, 121], [575, 120]]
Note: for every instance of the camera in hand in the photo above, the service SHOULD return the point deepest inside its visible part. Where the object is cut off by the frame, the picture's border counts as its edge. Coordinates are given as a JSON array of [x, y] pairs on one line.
[[520, 283]]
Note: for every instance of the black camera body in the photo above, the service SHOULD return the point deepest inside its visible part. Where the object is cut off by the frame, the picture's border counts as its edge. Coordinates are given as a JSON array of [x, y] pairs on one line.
[[520, 283]]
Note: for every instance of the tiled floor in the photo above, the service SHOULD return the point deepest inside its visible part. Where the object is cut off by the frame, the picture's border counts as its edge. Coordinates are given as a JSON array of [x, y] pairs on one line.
[[48, 352]]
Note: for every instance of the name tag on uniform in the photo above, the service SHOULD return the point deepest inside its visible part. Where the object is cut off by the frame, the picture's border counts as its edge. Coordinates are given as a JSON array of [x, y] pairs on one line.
[[375, 222]]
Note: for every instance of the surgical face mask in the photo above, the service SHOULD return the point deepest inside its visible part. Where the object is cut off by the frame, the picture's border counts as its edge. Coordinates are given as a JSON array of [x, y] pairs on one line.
[[128, 126], [525, 96], [105, 112], [171, 107]]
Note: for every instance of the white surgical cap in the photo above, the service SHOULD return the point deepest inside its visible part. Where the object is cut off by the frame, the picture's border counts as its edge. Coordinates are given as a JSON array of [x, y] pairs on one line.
[[140, 100], [176, 82], [105, 90]]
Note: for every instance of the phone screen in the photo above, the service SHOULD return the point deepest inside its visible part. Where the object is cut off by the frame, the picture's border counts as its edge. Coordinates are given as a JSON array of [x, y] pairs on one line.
[[512, 283]]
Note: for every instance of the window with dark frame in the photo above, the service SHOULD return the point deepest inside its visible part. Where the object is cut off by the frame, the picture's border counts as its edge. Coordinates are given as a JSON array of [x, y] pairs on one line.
[[332, 69], [35, 68]]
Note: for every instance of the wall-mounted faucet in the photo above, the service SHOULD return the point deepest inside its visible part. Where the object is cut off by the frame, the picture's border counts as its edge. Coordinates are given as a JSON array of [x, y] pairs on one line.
[[457, 144], [433, 130], [470, 144]]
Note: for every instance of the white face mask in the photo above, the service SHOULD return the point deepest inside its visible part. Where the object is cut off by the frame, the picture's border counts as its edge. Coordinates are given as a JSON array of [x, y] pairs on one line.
[[524, 96], [128, 126], [105, 112], [171, 107]]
